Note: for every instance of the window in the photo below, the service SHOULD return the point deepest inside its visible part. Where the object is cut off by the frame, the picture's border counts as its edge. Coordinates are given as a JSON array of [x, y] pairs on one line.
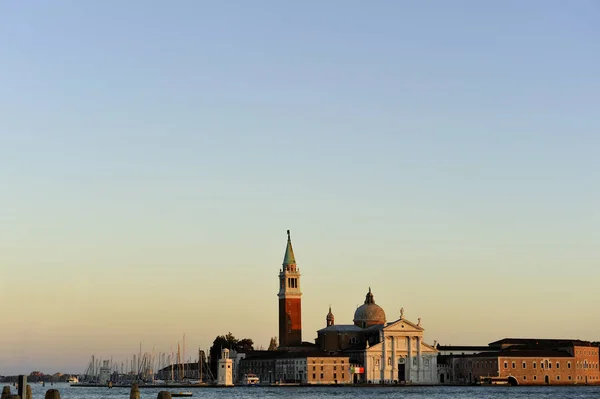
[[524, 365], [558, 378], [321, 368], [535, 377], [569, 377], [534, 365], [524, 377], [342, 376], [557, 365], [314, 376], [505, 365], [335, 367], [549, 365], [335, 376], [321, 375], [314, 368], [222, 366], [541, 365], [514, 365]]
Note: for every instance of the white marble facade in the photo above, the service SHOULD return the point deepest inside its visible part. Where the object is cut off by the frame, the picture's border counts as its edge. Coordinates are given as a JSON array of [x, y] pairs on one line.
[[401, 355]]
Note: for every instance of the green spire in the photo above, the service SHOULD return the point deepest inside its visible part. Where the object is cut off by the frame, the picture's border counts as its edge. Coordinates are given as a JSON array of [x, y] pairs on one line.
[[289, 259]]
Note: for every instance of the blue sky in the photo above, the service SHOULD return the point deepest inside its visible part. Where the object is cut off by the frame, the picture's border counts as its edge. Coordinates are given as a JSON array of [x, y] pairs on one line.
[[153, 154]]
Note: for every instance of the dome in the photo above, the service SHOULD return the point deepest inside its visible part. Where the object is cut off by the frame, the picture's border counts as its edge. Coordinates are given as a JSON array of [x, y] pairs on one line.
[[369, 314]]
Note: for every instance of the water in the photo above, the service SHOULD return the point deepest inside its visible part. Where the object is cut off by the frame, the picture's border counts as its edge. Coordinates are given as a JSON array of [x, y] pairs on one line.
[[440, 392]]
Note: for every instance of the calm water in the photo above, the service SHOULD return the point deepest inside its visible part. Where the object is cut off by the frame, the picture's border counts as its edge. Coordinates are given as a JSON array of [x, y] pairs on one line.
[[330, 392]]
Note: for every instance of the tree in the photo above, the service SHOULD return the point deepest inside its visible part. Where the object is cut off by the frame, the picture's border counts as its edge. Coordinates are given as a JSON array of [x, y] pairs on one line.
[[273, 344], [244, 345], [227, 342]]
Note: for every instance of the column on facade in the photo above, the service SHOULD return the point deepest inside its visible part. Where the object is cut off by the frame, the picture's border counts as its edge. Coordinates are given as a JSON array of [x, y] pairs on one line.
[[394, 360], [383, 358], [408, 364], [373, 368], [419, 360]]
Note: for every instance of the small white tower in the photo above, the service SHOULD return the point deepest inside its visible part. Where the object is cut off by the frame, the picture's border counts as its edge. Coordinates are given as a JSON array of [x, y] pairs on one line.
[[225, 372], [104, 373]]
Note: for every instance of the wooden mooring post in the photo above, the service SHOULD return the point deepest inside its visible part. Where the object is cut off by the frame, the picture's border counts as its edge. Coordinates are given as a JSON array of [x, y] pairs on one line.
[[5, 392], [52, 394], [22, 386], [135, 392], [164, 395]]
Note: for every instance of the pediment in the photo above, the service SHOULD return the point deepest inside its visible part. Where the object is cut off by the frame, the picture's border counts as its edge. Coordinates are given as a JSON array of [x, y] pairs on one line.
[[402, 325]]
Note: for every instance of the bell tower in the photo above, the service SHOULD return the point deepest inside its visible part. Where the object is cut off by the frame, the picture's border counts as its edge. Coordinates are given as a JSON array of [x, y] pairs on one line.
[[290, 300]]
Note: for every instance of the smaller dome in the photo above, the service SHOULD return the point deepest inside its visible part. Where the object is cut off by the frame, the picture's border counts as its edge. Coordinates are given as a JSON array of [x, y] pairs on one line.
[[369, 314]]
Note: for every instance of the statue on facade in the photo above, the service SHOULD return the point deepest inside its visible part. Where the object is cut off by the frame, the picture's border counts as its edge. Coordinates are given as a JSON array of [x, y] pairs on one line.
[[419, 321], [401, 313]]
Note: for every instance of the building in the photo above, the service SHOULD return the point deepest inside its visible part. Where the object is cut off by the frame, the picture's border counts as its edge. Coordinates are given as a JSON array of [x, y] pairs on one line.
[[290, 300], [519, 361], [225, 369], [381, 352], [297, 367]]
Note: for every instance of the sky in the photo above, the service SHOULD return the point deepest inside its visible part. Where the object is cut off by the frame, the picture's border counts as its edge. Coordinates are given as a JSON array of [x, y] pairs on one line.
[[154, 153]]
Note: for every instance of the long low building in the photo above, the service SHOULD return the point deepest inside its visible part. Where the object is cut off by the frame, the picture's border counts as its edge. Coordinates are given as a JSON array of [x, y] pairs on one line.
[[519, 361], [312, 367]]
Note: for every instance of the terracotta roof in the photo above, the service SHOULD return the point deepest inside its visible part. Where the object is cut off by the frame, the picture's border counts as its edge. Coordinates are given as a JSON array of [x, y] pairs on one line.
[[540, 341]]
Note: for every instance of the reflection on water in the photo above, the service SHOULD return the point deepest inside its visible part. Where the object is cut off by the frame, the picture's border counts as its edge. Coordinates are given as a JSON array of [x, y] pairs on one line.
[[67, 392]]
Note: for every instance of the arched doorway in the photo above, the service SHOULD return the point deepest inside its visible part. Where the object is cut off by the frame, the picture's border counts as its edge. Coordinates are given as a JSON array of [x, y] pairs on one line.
[[402, 370], [442, 378], [512, 380], [546, 380]]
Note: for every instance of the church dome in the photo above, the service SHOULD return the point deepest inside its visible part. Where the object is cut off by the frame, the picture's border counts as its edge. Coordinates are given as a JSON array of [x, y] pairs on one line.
[[369, 314]]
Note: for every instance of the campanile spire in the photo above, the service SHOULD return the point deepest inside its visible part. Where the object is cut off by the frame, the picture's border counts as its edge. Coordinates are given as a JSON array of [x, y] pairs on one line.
[[289, 261]]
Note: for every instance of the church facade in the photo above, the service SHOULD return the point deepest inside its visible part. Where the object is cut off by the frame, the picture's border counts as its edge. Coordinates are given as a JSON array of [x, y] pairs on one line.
[[381, 351]]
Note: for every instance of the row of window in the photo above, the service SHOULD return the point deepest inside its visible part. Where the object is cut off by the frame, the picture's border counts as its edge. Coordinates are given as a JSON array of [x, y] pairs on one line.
[[334, 361], [535, 378], [579, 377], [334, 376], [292, 283], [543, 364], [589, 352], [547, 364]]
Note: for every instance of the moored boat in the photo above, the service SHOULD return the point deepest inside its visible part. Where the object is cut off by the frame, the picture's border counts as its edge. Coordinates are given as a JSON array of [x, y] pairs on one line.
[[251, 380]]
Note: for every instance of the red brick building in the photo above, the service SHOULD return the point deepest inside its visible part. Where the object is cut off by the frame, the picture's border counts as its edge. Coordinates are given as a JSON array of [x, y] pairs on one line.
[[523, 362]]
